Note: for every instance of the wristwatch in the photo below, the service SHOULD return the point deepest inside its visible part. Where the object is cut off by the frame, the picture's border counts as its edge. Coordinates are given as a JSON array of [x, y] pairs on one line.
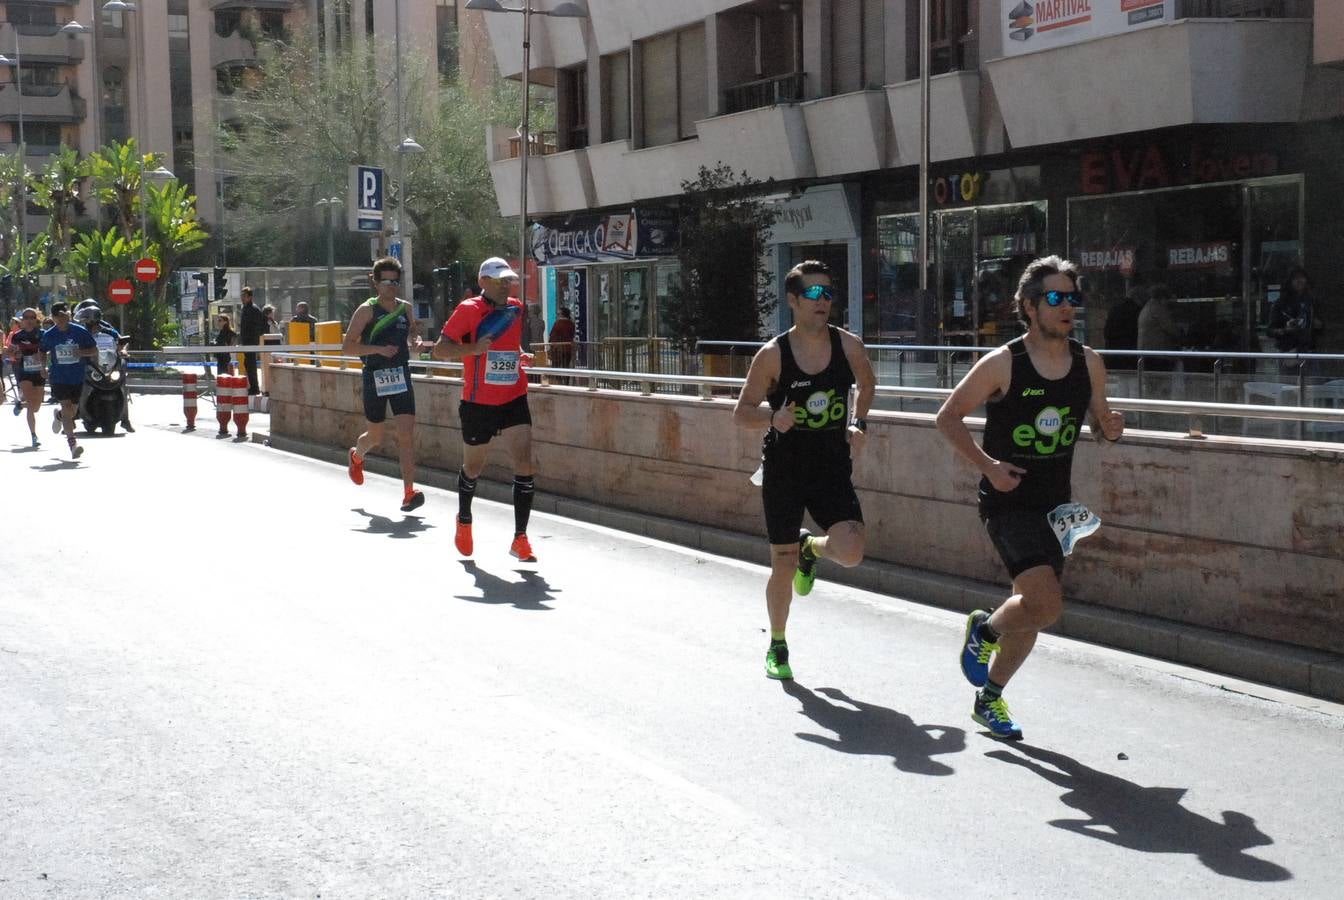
[[861, 424]]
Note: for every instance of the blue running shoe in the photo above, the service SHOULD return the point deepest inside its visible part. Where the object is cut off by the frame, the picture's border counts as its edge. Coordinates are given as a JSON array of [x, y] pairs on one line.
[[994, 715], [975, 650]]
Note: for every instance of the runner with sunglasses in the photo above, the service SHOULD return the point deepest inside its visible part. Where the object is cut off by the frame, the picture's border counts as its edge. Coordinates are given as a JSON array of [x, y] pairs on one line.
[[1037, 391], [805, 375], [382, 334]]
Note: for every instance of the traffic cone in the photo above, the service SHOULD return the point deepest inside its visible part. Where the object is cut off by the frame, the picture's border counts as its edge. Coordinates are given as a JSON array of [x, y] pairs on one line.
[[223, 402], [189, 399], [240, 413]]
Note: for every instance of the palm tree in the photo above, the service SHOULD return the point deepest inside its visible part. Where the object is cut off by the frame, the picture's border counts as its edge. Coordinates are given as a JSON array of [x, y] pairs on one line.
[[116, 171], [56, 189]]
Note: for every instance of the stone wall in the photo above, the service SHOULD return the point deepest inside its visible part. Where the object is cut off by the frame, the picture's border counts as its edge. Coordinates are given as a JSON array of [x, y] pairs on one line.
[[1222, 533]]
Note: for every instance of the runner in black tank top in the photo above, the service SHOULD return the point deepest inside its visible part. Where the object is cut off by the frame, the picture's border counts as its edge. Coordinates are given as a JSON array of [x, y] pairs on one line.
[[806, 376], [1038, 391]]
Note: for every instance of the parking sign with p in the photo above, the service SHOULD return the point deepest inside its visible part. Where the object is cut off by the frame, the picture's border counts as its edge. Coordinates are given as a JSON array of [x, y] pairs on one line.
[[365, 200]]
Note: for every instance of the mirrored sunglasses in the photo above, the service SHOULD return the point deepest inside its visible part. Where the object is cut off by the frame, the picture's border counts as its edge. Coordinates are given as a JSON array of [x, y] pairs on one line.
[[390, 281], [819, 292], [1055, 298]]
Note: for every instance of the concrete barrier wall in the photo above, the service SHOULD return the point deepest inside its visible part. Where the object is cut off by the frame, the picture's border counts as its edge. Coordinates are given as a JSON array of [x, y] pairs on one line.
[[1221, 533]]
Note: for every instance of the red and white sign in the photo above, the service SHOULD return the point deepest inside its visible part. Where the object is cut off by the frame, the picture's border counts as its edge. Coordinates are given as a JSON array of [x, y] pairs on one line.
[[121, 291], [146, 270], [1030, 25], [1216, 255]]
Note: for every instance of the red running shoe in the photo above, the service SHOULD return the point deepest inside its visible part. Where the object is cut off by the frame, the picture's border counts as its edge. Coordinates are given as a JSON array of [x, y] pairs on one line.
[[356, 468], [522, 549], [462, 539]]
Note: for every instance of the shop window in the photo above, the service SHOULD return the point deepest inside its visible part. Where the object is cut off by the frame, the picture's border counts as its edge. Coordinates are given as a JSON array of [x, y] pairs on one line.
[[616, 96], [675, 89], [857, 51]]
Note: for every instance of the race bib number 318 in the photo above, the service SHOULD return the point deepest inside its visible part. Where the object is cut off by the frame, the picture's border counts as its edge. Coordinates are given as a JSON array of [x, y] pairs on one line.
[[1071, 523]]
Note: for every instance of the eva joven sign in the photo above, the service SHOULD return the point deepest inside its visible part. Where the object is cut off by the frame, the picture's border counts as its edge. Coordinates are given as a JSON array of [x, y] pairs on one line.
[[1031, 25], [1149, 167]]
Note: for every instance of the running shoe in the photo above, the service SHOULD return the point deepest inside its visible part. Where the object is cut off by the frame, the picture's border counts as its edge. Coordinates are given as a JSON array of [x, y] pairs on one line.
[[413, 500], [56, 420], [806, 574], [356, 468], [522, 549], [36, 442], [994, 715], [777, 662], [975, 650], [76, 451], [462, 538], [18, 407]]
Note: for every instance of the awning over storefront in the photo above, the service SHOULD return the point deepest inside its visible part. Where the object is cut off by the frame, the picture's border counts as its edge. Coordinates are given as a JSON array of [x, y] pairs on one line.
[[596, 238]]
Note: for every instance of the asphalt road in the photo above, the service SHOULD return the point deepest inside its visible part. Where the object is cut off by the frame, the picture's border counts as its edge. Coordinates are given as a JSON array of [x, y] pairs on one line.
[[225, 671]]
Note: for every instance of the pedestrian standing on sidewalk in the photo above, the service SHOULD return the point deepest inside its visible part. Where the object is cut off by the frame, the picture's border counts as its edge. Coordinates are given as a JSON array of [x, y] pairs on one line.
[[251, 328]]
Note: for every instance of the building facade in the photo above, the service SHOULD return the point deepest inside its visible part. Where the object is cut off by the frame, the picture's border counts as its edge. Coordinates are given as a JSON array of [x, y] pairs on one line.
[[171, 71], [1192, 144]]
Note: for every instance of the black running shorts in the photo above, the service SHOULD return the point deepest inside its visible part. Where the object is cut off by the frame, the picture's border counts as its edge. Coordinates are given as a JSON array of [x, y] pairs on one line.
[[32, 378], [1024, 540], [818, 483], [69, 392], [482, 421], [375, 407]]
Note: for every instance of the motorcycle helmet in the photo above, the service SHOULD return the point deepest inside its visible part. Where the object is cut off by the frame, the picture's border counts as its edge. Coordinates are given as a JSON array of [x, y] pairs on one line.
[[88, 311]]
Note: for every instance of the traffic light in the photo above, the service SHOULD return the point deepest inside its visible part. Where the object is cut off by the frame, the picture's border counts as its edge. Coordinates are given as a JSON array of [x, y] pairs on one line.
[[7, 288], [95, 269], [221, 287]]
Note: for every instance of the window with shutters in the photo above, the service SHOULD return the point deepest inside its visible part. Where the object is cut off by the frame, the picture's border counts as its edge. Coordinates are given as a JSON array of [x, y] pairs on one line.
[[616, 97], [857, 51], [673, 85], [574, 115]]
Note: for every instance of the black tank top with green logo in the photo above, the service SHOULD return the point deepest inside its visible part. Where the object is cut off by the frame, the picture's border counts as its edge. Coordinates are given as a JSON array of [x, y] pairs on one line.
[[822, 400], [1034, 426], [386, 328]]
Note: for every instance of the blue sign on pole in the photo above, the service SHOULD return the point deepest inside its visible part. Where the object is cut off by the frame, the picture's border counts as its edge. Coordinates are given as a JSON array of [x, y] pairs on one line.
[[394, 249], [365, 200]]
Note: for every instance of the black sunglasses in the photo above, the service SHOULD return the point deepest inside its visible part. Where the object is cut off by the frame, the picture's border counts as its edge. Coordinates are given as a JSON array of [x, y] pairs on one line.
[[1056, 298], [391, 281]]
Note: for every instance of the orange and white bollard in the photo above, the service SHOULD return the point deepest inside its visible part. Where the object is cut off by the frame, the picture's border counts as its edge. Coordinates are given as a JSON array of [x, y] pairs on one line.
[[223, 403], [189, 399], [240, 412]]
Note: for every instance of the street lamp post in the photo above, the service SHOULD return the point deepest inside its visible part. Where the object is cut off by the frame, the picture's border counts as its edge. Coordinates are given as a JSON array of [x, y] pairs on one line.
[[329, 205], [407, 144], [22, 218], [565, 10]]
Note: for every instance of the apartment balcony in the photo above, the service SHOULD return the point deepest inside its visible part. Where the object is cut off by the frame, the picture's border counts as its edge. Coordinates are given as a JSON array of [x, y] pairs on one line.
[[228, 107], [764, 92], [659, 171], [1192, 71], [770, 142], [42, 44], [234, 50], [252, 4], [41, 103], [954, 126], [556, 182], [848, 132]]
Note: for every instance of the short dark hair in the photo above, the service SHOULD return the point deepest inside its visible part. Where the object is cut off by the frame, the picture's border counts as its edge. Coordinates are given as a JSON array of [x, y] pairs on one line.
[[793, 282], [382, 264], [247, 290], [1032, 283], [563, 311], [58, 308]]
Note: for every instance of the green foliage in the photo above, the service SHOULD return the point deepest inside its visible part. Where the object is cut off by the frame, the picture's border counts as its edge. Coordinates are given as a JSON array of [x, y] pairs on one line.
[[723, 291], [116, 171], [56, 189], [114, 254]]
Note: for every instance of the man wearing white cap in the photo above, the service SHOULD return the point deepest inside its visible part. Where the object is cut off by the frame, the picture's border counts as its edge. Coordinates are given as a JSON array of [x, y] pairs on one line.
[[486, 332]]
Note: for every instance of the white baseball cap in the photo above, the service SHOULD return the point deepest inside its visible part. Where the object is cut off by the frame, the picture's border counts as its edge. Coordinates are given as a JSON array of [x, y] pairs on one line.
[[495, 267]]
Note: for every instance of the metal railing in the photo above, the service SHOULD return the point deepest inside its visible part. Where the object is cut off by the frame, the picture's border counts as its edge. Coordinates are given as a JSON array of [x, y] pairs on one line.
[[1241, 9], [1193, 414], [763, 92]]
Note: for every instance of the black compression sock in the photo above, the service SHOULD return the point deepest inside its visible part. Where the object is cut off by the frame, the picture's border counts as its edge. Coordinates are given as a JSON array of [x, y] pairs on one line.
[[988, 633], [991, 692], [523, 488], [466, 490]]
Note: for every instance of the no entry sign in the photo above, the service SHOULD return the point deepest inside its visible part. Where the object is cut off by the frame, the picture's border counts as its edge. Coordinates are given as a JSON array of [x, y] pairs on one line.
[[146, 270], [121, 291]]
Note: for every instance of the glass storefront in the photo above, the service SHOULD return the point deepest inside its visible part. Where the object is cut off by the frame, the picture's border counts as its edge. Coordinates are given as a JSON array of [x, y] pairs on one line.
[[976, 256], [1221, 252]]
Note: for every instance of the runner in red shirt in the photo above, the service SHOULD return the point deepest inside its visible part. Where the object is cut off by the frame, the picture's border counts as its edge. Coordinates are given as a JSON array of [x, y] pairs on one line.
[[486, 332]]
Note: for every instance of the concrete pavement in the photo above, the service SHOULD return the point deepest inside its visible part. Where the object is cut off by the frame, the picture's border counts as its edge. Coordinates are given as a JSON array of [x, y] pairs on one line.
[[242, 676]]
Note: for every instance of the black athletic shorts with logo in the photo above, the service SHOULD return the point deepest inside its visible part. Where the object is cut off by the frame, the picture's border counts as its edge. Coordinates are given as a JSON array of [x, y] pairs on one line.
[[481, 422], [818, 482], [375, 407], [1024, 540]]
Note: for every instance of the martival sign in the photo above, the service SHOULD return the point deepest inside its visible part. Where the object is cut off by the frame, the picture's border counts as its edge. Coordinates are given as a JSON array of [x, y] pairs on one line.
[[1031, 25]]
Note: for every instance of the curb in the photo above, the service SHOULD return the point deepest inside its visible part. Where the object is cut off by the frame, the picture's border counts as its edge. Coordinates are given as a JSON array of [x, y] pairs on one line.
[[1315, 673]]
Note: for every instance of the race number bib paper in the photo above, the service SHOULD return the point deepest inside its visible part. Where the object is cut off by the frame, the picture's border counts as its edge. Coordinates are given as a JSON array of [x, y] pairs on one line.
[[1072, 522], [389, 382], [65, 354], [501, 367], [32, 363]]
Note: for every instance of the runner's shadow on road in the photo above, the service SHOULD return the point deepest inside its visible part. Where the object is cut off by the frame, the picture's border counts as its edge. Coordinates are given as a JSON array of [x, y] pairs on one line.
[[532, 593], [406, 529], [57, 466], [870, 730], [1148, 819], [29, 449]]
